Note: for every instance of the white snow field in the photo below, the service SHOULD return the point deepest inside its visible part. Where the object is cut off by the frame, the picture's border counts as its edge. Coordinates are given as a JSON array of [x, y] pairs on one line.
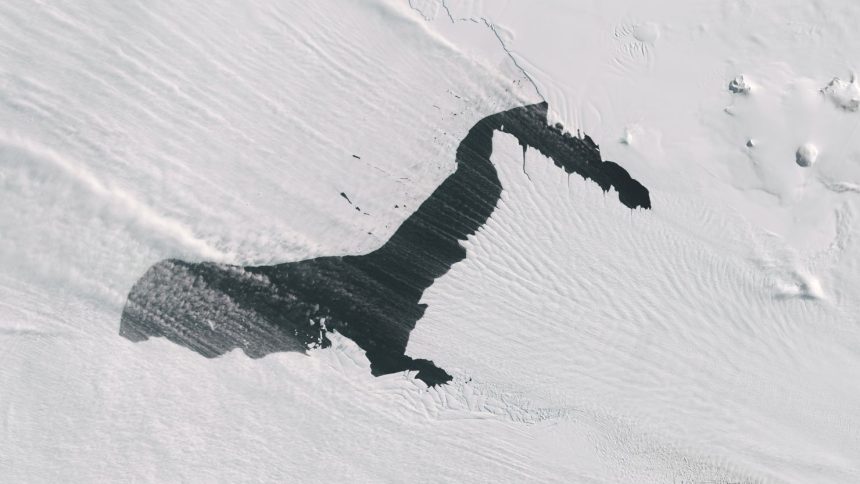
[[712, 339]]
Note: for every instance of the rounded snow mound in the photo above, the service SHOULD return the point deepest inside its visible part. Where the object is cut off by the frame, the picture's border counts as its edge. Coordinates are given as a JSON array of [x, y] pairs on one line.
[[806, 155], [646, 32]]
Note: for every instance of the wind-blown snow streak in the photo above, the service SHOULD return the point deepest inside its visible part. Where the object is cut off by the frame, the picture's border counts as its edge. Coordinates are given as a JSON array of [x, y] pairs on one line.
[[136, 211]]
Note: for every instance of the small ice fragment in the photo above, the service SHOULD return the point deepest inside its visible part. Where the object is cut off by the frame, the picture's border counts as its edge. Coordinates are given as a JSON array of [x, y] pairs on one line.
[[739, 85], [627, 138], [844, 94]]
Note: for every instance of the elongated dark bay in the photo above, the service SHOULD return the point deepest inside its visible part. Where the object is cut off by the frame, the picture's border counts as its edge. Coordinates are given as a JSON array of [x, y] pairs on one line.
[[373, 299]]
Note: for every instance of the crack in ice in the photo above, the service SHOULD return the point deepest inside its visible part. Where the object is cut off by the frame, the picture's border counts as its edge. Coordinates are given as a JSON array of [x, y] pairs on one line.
[[493, 29]]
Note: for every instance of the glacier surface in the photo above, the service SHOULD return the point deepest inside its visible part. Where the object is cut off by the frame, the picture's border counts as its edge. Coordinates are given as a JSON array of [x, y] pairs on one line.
[[712, 338]]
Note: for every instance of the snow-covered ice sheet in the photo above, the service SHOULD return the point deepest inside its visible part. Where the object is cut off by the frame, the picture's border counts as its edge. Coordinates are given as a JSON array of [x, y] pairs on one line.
[[713, 338]]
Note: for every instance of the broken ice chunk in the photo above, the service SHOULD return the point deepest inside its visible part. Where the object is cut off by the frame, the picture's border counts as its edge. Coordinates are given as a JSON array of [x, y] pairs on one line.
[[844, 94], [739, 85]]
